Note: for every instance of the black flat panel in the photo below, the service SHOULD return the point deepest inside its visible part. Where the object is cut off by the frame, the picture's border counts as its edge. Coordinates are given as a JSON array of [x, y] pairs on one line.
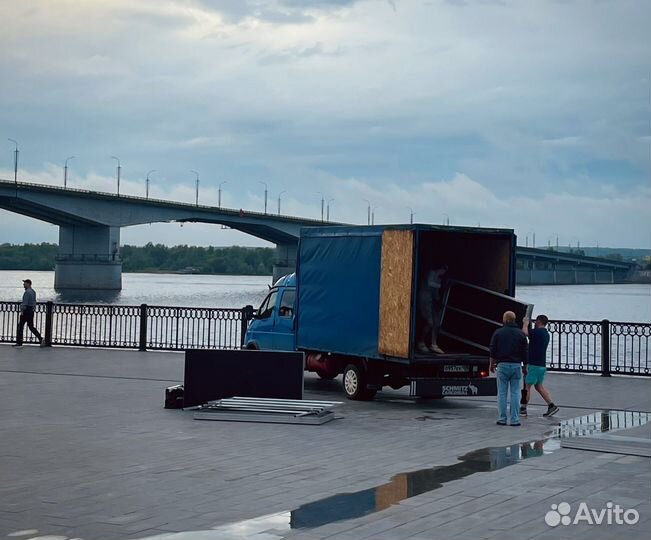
[[483, 302], [472, 314], [226, 373]]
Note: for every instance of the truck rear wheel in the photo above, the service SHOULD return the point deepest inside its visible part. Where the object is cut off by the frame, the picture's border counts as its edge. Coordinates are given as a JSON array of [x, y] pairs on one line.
[[355, 380]]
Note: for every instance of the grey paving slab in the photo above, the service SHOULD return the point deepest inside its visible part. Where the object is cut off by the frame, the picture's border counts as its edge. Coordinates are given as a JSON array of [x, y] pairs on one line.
[[88, 451]]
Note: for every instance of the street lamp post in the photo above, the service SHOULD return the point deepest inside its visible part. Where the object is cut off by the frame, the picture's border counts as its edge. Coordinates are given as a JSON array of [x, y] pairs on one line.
[[373, 215], [279, 200], [118, 171], [526, 241], [322, 204], [368, 211], [196, 187], [266, 191], [328, 210], [219, 193], [15, 162], [147, 183], [65, 171], [447, 220], [411, 215]]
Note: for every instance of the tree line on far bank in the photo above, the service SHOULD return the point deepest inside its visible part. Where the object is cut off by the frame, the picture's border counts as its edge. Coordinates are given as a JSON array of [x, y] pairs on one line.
[[153, 258], [234, 260]]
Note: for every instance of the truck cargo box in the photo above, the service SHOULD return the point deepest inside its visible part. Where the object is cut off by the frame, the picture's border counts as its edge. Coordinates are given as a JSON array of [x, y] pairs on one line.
[[357, 288]]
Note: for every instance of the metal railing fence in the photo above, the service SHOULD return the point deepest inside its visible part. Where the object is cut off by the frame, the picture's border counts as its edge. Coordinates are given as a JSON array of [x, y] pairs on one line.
[[131, 327], [603, 347]]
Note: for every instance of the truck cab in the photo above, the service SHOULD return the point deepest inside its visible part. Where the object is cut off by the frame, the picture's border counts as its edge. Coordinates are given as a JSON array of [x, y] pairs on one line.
[[273, 327]]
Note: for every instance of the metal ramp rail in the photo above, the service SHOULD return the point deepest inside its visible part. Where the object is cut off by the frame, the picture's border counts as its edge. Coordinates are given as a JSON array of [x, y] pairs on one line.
[[268, 410]]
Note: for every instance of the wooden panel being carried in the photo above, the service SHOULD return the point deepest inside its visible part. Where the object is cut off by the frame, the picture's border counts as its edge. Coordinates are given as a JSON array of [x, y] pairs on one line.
[[396, 292]]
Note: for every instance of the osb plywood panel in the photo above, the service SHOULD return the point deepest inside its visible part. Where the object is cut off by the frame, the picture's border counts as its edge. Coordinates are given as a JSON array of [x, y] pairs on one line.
[[396, 292]]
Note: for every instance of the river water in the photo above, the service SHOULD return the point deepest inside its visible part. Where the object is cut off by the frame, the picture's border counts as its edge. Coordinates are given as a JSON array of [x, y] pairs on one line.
[[580, 302]]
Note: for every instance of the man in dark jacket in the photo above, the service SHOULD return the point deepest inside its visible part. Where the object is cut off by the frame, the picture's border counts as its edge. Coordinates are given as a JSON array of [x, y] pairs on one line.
[[27, 307], [509, 355]]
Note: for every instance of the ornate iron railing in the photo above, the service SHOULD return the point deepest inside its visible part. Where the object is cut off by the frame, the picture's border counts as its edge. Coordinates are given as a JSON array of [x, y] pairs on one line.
[[603, 347], [133, 327]]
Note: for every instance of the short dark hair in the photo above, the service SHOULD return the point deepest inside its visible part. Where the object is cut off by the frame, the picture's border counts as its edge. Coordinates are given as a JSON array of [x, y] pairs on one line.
[[543, 319], [27, 281]]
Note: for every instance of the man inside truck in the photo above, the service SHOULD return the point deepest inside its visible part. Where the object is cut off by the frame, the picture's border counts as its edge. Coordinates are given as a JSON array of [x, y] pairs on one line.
[[430, 303]]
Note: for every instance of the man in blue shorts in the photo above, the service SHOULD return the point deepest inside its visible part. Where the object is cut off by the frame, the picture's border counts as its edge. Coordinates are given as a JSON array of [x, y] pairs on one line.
[[538, 342]]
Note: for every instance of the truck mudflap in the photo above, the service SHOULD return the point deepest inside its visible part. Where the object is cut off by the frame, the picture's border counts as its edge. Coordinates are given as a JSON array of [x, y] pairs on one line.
[[437, 387]]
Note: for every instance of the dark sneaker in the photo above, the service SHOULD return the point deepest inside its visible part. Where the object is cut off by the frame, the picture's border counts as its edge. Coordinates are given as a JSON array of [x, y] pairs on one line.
[[523, 411], [500, 423], [516, 424], [551, 410], [17, 345]]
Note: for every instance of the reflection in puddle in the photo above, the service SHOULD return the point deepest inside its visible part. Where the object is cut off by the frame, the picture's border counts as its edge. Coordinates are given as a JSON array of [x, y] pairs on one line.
[[599, 422], [410, 484], [405, 485]]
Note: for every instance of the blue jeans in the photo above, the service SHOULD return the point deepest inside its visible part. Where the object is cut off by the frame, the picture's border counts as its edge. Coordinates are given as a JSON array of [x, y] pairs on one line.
[[509, 382]]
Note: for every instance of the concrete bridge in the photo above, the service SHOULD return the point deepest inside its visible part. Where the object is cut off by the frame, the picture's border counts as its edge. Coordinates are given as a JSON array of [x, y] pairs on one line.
[[89, 236], [547, 267], [89, 228]]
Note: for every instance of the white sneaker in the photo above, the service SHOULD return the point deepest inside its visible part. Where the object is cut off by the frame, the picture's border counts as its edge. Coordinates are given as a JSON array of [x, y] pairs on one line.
[[436, 349]]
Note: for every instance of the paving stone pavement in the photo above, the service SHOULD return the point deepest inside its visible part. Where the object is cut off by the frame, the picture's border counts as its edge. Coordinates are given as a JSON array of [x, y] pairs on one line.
[[87, 451]]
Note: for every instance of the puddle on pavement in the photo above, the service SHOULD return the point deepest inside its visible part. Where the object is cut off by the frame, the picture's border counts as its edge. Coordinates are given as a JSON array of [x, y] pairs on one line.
[[402, 486]]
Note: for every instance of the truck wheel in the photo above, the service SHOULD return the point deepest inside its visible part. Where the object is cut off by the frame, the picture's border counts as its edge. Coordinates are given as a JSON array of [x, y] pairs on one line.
[[326, 375], [354, 380]]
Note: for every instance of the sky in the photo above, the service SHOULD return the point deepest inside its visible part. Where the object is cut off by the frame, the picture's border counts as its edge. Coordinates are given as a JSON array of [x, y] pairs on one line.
[[528, 114]]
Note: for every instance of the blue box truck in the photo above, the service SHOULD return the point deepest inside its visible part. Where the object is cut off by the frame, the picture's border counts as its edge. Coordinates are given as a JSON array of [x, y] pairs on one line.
[[361, 303]]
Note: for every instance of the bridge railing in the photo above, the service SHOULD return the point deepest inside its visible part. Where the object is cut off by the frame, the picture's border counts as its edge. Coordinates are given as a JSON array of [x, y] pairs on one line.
[[602, 347], [132, 327]]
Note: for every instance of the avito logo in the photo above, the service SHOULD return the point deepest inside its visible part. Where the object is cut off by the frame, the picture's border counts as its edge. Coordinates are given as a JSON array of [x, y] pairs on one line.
[[613, 514]]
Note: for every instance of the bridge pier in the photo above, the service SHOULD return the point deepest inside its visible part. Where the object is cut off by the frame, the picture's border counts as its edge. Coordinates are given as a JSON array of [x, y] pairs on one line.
[[89, 258], [285, 260]]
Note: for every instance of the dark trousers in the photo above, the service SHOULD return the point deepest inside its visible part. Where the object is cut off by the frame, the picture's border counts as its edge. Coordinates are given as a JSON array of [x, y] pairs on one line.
[[27, 316]]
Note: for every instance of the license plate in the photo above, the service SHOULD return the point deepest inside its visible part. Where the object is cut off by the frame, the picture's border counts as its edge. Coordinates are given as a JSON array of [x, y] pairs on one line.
[[456, 369]]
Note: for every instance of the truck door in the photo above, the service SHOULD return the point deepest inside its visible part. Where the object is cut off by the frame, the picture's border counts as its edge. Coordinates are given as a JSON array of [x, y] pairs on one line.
[[261, 329], [284, 338]]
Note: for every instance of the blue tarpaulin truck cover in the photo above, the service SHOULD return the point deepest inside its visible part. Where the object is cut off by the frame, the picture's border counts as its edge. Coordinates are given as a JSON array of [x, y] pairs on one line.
[[339, 270], [353, 302]]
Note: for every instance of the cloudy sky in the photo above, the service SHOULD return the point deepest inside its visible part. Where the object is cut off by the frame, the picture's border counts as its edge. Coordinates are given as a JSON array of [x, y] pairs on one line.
[[529, 114]]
